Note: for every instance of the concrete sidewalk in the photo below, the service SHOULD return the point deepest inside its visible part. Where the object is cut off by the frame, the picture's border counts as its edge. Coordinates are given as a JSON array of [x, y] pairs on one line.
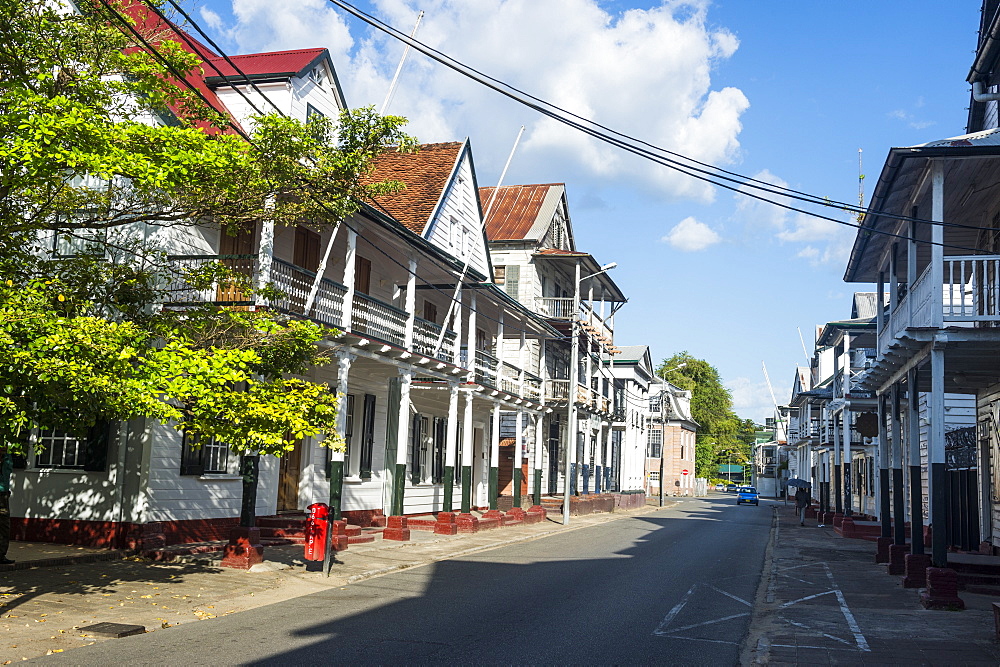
[[824, 600], [43, 608]]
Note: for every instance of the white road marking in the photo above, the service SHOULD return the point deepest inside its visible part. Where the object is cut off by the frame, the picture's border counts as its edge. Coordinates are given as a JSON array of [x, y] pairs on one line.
[[703, 623], [729, 595], [808, 597], [673, 612]]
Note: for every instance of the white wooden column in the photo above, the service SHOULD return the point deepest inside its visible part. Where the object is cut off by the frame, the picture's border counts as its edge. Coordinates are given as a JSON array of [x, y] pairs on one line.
[[468, 452], [265, 257], [470, 339], [350, 261], [344, 360], [451, 446], [456, 349], [937, 250], [411, 304]]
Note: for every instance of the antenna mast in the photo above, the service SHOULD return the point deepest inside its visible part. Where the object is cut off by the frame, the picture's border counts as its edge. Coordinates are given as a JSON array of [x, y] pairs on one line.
[[861, 189]]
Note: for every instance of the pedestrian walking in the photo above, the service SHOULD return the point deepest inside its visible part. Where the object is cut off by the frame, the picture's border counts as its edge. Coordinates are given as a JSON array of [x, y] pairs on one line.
[[801, 503], [6, 466]]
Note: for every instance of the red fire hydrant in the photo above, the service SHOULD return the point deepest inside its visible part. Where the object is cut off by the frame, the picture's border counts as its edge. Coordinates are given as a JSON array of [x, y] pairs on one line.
[[316, 526]]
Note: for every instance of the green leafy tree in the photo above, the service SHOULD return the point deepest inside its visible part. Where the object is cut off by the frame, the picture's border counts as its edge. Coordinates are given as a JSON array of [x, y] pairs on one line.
[[711, 408], [81, 155]]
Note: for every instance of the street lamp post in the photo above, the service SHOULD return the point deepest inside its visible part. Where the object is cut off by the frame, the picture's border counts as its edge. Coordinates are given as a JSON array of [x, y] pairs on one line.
[[574, 378]]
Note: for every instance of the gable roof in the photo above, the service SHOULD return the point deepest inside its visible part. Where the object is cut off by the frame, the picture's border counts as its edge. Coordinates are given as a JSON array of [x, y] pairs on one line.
[[631, 353], [518, 208], [276, 64], [864, 305], [425, 175]]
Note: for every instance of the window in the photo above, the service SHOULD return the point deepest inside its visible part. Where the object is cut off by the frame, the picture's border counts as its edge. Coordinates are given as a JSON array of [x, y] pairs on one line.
[[367, 437], [312, 112], [499, 274], [362, 275], [80, 243], [512, 281], [318, 75], [59, 449], [305, 253], [418, 448], [440, 440], [430, 311], [654, 442], [351, 460], [203, 456], [654, 475]]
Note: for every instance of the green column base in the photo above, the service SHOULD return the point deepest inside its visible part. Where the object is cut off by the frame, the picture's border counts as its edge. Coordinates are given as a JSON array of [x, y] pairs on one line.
[[494, 486], [336, 489], [449, 487], [516, 486], [466, 489], [398, 484], [538, 486]]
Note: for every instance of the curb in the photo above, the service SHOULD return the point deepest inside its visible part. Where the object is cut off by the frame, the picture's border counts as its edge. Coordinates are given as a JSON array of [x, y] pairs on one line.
[[114, 554]]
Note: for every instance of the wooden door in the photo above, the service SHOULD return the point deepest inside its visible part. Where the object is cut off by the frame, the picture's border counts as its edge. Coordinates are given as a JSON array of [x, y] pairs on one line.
[[505, 470], [289, 473], [305, 255], [235, 250]]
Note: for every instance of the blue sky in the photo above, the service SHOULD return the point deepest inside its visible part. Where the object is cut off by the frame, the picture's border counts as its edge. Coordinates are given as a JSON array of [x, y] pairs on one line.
[[784, 91]]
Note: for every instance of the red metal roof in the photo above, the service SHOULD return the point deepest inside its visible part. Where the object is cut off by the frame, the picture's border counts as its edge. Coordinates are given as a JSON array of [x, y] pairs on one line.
[[425, 174], [149, 23], [281, 63], [515, 210]]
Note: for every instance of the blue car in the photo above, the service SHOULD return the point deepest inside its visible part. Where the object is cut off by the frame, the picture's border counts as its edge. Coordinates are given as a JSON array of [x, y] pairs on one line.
[[747, 494]]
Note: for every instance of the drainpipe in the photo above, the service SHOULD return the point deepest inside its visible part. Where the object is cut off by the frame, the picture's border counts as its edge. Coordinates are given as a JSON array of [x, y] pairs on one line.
[[979, 93]]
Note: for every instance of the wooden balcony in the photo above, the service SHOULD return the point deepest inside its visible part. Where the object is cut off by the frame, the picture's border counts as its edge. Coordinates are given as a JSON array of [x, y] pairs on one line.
[[370, 317], [379, 320], [969, 296], [425, 340]]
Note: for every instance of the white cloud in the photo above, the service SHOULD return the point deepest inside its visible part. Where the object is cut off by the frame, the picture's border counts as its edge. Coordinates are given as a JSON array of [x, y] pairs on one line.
[[825, 241], [751, 400], [645, 72], [211, 19], [690, 235], [908, 118]]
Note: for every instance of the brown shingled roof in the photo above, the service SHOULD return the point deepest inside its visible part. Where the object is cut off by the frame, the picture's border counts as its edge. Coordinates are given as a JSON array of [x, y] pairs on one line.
[[515, 210], [425, 174]]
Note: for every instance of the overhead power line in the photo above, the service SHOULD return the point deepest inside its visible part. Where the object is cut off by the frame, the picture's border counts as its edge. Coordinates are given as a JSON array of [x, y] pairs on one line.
[[714, 175], [124, 22]]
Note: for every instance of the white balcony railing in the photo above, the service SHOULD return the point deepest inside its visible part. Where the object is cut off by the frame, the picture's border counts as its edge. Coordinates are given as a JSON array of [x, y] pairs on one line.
[[556, 391], [296, 283], [969, 296], [179, 292], [425, 339], [486, 368], [559, 308], [972, 289], [379, 320], [510, 378]]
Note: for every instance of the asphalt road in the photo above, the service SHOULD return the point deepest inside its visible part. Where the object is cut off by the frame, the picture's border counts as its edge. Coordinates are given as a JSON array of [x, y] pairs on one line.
[[675, 586]]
